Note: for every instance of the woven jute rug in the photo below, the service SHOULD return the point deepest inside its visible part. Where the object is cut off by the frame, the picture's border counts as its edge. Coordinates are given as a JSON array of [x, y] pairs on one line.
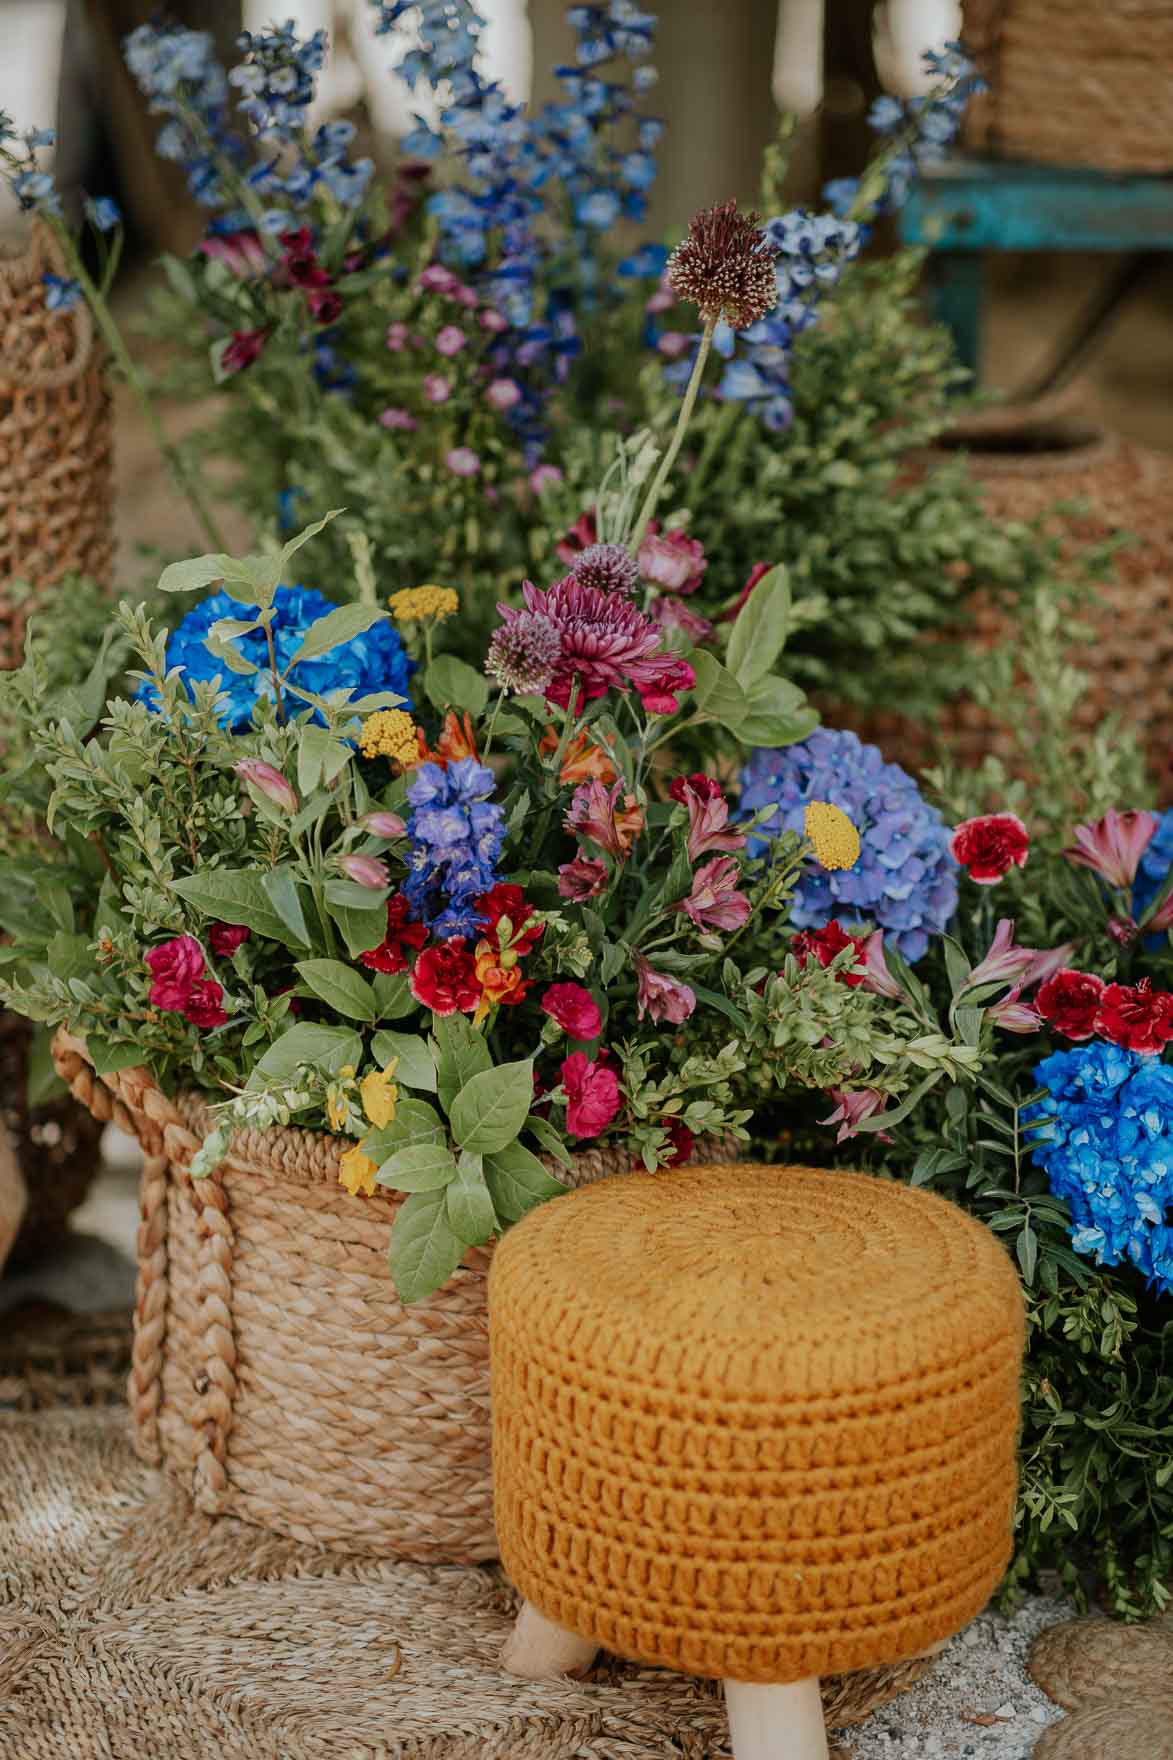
[[1117, 1683], [130, 1625]]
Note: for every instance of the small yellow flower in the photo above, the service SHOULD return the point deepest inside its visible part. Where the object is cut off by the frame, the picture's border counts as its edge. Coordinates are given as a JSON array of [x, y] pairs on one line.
[[390, 733], [357, 1171], [337, 1107], [379, 1094], [416, 604], [832, 835]]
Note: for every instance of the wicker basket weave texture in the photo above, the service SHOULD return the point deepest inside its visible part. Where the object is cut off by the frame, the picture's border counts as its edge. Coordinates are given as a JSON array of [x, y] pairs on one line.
[[56, 507], [275, 1373], [1073, 82]]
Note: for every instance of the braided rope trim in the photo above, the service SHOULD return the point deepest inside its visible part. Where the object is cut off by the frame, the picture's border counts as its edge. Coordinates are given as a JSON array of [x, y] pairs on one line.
[[22, 269]]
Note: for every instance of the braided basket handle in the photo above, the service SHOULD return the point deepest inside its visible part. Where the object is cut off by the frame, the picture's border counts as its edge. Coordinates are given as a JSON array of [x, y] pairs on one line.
[[129, 1098]]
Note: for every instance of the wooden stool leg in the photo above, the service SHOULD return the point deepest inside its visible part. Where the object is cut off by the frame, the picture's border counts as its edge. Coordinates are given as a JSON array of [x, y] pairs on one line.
[[536, 1648], [776, 1722]]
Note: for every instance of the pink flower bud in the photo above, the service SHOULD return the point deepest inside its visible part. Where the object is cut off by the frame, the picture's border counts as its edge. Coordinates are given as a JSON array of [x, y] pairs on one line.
[[268, 782], [366, 871], [384, 825]]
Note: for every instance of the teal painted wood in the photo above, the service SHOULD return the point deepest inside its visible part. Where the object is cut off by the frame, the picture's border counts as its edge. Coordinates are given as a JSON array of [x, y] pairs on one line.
[[995, 205]]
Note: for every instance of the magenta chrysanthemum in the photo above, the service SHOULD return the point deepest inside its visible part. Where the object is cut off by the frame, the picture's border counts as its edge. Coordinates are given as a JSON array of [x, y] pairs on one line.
[[606, 643], [524, 652], [610, 567]]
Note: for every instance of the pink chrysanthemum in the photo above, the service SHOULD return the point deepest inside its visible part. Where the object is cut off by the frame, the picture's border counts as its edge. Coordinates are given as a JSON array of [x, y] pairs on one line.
[[606, 642]]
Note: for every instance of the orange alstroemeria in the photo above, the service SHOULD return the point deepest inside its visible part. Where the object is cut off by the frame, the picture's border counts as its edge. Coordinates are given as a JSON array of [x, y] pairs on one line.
[[582, 760], [500, 978], [456, 741]]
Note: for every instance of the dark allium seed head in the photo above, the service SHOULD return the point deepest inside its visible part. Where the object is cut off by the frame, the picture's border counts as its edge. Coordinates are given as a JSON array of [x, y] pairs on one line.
[[722, 267], [610, 567]]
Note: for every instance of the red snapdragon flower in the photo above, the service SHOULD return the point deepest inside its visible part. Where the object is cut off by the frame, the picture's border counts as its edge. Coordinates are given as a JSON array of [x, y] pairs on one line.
[[989, 846], [389, 956], [444, 978], [243, 349], [683, 1143], [706, 788]]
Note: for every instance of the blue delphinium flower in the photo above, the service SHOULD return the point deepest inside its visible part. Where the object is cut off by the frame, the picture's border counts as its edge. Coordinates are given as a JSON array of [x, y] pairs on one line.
[[1107, 1150], [62, 292], [103, 213], [905, 880], [1154, 867], [372, 661], [456, 833]]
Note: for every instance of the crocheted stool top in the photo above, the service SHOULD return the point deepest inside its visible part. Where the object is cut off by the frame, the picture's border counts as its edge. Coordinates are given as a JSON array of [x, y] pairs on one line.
[[755, 1422]]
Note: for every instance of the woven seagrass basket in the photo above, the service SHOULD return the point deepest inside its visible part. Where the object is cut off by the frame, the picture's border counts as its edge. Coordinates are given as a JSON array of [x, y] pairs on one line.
[[56, 509], [275, 1373], [1073, 82], [1088, 485]]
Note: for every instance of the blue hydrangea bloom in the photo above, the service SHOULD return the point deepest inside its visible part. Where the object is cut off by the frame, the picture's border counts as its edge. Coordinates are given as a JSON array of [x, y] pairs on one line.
[[905, 881], [373, 661], [456, 833], [1107, 1150]]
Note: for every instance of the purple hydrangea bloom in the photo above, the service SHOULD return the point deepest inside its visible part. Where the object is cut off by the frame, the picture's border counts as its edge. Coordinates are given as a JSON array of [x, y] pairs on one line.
[[905, 881], [1106, 1146]]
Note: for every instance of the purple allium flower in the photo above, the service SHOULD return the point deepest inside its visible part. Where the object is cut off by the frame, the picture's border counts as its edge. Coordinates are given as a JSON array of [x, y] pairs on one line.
[[523, 654], [544, 476], [396, 338], [437, 279], [502, 394], [905, 880], [610, 567], [724, 268], [451, 340], [437, 388], [399, 419], [462, 461], [493, 321]]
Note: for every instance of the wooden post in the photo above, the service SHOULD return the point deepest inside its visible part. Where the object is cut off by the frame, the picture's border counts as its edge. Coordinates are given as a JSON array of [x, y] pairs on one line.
[[536, 1648], [776, 1722]]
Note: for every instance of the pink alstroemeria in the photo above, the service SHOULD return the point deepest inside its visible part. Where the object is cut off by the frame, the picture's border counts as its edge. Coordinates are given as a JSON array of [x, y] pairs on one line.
[[585, 877], [267, 781], [1014, 1015], [708, 821], [878, 979], [598, 813], [1112, 846], [1162, 917], [366, 871], [714, 902], [241, 252], [851, 1107], [662, 997], [383, 824]]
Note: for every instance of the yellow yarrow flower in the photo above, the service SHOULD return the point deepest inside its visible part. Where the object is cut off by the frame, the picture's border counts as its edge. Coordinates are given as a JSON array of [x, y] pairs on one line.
[[379, 1094], [390, 733], [832, 835], [356, 1171], [417, 604]]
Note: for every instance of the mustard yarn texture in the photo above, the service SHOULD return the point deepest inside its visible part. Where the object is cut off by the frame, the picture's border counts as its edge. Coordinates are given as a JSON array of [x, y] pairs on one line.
[[755, 1422]]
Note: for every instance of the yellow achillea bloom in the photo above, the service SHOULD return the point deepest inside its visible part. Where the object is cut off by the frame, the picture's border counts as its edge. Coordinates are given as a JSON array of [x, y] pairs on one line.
[[832, 835], [379, 1094], [357, 1171], [416, 604], [390, 733]]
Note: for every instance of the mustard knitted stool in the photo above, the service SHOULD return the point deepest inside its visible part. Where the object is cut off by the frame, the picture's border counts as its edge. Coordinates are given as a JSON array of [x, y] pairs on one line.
[[755, 1423]]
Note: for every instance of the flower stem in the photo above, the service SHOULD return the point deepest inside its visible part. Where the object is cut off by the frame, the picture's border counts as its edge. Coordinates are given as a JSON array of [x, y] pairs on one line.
[[112, 336], [276, 674], [677, 440]]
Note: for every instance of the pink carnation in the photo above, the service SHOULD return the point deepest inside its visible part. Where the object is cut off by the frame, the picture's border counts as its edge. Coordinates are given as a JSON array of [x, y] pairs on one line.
[[400, 420], [436, 388], [574, 1009], [175, 967], [462, 461], [592, 1094], [673, 561], [451, 340]]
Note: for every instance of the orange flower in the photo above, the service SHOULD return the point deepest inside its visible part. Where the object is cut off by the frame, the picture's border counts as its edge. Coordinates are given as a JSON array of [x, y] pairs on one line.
[[456, 741], [500, 978], [581, 761]]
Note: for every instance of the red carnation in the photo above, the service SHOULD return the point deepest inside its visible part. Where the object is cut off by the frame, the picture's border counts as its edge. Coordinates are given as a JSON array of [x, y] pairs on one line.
[[389, 955], [683, 1143], [706, 787], [823, 944], [174, 967], [592, 1094], [225, 938], [504, 900], [205, 1004], [445, 980], [1070, 1001], [574, 1009], [242, 350], [990, 846], [1136, 1017]]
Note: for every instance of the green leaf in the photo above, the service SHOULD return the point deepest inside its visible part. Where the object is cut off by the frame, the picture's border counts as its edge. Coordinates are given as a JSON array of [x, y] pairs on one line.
[[882, 1121], [470, 1208], [230, 657], [452, 684], [414, 1122], [199, 571], [312, 746], [335, 628], [362, 930], [550, 1139], [1027, 1249], [424, 1250], [109, 1059], [340, 987], [42, 1083], [303, 537], [418, 1167], [393, 995], [612, 959], [353, 897], [280, 886], [956, 964], [69, 956], [491, 1108], [722, 1004], [718, 695], [327, 1049], [759, 634], [416, 1067], [235, 895], [778, 714], [463, 1054], [518, 1182]]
